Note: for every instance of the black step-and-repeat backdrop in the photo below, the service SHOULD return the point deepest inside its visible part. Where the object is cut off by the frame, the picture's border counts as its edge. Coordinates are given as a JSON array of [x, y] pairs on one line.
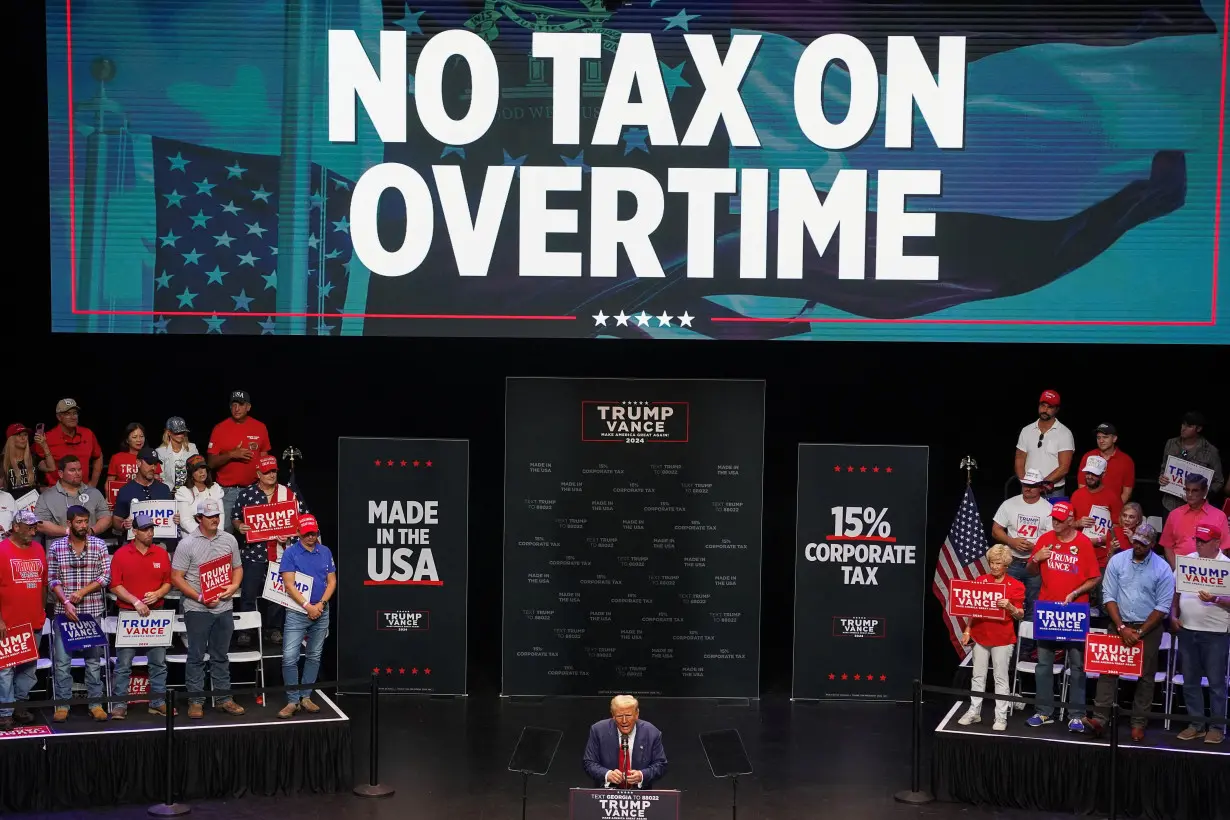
[[859, 571], [632, 537], [403, 544]]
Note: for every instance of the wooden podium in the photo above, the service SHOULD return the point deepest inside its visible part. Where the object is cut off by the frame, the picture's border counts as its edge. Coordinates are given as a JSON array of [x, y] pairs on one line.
[[650, 804]]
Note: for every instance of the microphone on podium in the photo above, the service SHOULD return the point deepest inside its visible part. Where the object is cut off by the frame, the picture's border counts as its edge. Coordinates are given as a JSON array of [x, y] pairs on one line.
[[625, 759]]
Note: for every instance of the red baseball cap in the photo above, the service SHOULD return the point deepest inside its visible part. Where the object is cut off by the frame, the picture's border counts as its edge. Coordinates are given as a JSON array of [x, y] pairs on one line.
[[307, 523], [1062, 511], [1207, 532], [266, 463], [15, 429], [1051, 397]]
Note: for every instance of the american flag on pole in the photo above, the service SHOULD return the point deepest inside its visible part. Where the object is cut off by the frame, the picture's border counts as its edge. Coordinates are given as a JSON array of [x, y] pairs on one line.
[[963, 557]]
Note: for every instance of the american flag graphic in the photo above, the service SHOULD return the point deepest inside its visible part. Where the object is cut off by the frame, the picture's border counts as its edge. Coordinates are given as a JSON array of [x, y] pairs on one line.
[[218, 240], [964, 558]]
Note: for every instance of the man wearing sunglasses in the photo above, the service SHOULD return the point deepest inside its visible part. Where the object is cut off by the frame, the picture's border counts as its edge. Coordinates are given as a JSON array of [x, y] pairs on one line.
[[1047, 446], [1191, 445]]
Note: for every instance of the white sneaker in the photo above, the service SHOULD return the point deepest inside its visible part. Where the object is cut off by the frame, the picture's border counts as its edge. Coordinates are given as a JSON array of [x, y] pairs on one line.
[[1000, 726], [970, 718]]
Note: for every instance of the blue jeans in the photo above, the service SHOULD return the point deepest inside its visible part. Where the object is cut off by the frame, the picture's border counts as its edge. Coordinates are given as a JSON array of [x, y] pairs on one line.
[[1074, 657], [15, 685], [64, 670], [208, 631], [299, 625], [250, 591], [1204, 656], [229, 496], [157, 658]]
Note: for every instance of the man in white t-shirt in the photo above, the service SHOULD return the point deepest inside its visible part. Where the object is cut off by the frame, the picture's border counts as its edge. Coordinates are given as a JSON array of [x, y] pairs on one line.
[[1046, 446], [1203, 624], [1017, 524]]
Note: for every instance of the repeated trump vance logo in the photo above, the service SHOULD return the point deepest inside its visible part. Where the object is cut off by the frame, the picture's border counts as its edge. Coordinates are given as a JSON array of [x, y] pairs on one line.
[[402, 620], [635, 421], [859, 626]]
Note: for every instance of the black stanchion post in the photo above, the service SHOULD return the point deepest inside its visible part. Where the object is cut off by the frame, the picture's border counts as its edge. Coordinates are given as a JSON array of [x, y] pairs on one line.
[[169, 808], [373, 787], [1114, 761], [915, 796]]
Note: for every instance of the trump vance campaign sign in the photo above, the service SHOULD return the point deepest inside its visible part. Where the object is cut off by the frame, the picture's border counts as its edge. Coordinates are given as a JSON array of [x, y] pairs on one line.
[[1060, 622], [134, 629], [1195, 574]]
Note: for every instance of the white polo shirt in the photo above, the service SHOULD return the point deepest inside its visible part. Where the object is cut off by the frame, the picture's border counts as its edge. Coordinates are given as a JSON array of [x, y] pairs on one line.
[[1045, 458]]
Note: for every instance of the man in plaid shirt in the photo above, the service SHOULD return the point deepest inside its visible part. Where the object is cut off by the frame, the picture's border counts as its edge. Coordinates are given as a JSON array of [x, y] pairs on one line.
[[78, 570]]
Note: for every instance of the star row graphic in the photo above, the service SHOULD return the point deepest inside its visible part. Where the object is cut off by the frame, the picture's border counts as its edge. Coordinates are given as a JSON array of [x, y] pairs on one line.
[[643, 319], [875, 468], [403, 463], [869, 678], [401, 670]]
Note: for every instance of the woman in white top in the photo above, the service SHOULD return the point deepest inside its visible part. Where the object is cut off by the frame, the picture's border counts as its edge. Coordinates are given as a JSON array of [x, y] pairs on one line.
[[175, 451], [200, 484]]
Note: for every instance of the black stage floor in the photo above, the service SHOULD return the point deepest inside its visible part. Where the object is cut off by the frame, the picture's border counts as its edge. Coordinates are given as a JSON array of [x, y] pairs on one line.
[[447, 758]]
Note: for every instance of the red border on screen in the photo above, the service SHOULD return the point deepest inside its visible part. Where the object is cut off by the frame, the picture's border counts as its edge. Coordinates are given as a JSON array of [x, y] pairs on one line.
[[1212, 321]]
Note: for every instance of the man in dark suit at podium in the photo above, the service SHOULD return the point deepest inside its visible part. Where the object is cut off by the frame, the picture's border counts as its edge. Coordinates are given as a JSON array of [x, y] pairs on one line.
[[624, 752]]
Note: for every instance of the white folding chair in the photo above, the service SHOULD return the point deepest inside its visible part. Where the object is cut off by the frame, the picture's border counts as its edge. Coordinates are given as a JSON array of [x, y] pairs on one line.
[[1025, 632], [1176, 681]]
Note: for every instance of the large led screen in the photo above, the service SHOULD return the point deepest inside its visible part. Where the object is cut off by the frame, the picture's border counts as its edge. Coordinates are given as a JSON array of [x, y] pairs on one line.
[[668, 169]]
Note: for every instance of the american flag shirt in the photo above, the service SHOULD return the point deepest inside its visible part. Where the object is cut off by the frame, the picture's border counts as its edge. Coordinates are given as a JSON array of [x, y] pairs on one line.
[[259, 551], [77, 570]]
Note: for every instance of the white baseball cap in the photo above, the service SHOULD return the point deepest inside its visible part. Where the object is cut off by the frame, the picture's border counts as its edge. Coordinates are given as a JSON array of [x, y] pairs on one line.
[[208, 507], [1095, 465], [1032, 478]]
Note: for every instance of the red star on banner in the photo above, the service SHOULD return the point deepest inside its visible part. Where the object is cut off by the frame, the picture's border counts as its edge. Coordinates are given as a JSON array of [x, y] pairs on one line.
[[426, 671], [884, 677], [389, 462], [862, 469], [849, 469], [414, 671], [844, 676], [429, 463], [837, 468], [856, 677], [388, 671], [888, 469], [401, 671], [875, 469], [375, 670], [416, 462], [871, 677], [403, 462], [832, 676], [377, 462]]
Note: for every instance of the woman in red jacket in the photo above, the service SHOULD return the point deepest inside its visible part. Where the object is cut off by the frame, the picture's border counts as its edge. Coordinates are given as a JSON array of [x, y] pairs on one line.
[[993, 640]]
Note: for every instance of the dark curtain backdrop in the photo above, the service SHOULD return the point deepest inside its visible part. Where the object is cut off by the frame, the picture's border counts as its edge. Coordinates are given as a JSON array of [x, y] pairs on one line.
[[957, 399]]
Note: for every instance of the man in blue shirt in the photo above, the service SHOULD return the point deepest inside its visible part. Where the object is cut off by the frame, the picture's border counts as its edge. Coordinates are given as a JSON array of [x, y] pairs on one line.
[[1137, 591], [144, 486], [313, 559]]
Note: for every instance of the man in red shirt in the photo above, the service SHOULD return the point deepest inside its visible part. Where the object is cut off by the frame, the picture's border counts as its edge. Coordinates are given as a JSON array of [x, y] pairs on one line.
[[140, 579], [993, 640], [1098, 508], [233, 446], [1065, 560], [1120, 473], [67, 438], [23, 590]]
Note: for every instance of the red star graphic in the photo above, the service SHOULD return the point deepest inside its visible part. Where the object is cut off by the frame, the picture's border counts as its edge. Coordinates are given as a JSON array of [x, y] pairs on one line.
[[875, 469], [871, 677], [832, 676], [888, 469], [426, 671], [429, 463], [401, 671], [844, 676], [862, 469], [856, 677], [375, 670], [849, 469], [884, 677], [377, 462], [416, 462], [403, 462], [389, 462], [388, 671], [836, 468], [414, 671]]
